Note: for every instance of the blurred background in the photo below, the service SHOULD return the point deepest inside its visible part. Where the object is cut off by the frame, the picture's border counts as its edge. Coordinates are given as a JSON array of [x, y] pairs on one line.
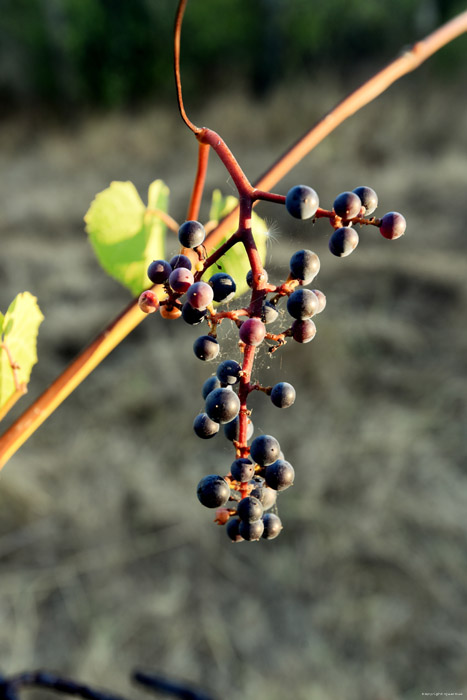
[[107, 560]]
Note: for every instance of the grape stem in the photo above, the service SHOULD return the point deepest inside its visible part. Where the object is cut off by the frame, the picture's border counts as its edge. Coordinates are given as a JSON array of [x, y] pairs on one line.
[[130, 317]]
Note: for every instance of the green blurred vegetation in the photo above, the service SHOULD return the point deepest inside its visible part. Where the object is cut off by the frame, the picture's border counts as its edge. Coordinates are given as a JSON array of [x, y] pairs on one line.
[[112, 53]]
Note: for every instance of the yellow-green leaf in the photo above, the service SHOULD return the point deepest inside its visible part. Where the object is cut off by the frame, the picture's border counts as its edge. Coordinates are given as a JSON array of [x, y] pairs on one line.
[[235, 262], [125, 234], [18, 329]]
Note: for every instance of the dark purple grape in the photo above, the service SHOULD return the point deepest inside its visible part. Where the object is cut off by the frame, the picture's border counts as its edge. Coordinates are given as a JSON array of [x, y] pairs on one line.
[[223, 287], [302, 304], [368, 198], [199, 295], [272, 526], [209, 385], [192, 316], [343, 241], [393, 225], [250, 509], [181, 279], [251, 531], [180, 260], [279, 475], [242, 469], [159, 271], [232, 429], [191, 234], [269, 313], [267, 496], [252, 331], [213, 491], [264, 450], [222, 405], [303, 331], [304, 266], [204, 427], [228, 372], [301, 202], [283, 395], [321, 299], [206, 348], [347, 205], [232, 530], [249, 277]]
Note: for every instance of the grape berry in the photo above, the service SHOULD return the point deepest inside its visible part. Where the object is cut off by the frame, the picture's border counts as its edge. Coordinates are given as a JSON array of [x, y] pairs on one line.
[[245, 496]]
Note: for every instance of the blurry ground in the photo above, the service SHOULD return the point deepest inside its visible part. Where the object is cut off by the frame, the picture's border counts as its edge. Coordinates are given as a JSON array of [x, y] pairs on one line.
[[107, 561]]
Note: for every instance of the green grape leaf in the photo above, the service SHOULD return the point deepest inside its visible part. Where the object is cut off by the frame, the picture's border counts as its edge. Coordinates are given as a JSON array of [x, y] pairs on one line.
[[18, 332], [125, 234], [235, 262]]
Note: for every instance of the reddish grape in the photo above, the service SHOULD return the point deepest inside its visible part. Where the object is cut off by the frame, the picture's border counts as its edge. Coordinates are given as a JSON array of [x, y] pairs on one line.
[[393, 225], [303, 331], [200, 295], [148, 302], [181, 279], [321, 300], [252, 331]]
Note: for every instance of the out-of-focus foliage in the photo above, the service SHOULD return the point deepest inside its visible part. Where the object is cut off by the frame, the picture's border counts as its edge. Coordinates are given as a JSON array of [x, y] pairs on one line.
[[115, 52]]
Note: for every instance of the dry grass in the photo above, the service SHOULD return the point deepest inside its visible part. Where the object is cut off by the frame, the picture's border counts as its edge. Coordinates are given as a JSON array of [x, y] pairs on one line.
[[108, 562]]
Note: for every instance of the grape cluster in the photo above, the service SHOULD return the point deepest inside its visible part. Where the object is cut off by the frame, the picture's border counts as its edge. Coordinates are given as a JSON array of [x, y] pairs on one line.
[[245, 498]]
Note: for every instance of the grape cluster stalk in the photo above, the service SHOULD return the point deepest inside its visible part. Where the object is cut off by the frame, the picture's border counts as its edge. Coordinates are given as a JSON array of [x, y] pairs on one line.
[[245, 498]]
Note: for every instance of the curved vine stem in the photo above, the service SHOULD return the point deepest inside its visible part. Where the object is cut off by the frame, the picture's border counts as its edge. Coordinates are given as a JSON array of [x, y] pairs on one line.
[[120, 327], [178, 82]]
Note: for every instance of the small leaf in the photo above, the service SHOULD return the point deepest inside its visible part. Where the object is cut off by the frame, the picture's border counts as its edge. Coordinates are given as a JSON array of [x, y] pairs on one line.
[[235, 262], [127, 236], [19, 328]]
